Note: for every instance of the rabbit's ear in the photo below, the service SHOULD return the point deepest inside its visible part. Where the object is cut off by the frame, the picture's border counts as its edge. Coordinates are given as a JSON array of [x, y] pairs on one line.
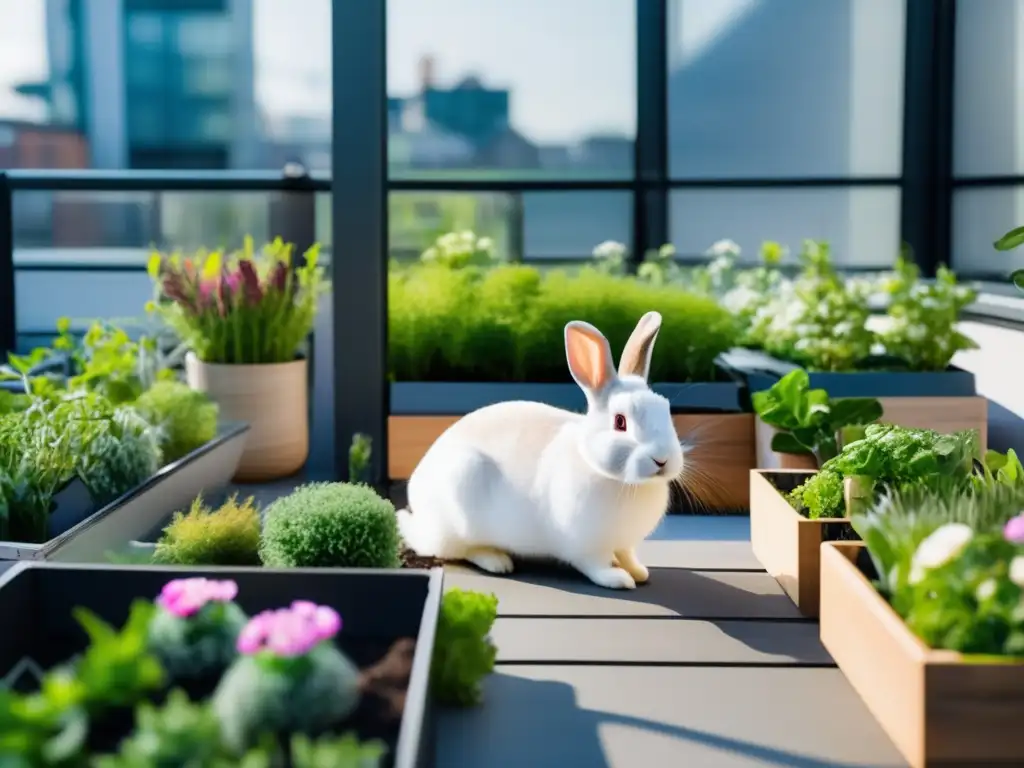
[[589, 356], [636, 357]]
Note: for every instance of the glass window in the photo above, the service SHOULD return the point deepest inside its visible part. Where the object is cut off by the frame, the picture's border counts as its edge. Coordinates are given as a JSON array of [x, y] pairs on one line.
[[557, 226], [988, 99], [980, 217], [785, 88], [209, 77], [862, 224], [146, 30], [205, 34], [488, 88]]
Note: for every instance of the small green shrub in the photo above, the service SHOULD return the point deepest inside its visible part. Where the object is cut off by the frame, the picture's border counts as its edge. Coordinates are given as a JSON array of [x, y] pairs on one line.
[[186, 418], [229, 535], [326, 525], [506, 323], [463, 652]]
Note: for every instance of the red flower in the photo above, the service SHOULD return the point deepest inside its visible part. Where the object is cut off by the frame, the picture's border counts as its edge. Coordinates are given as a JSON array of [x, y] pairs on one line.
[[250, 282], [173, 287], [279, 276]]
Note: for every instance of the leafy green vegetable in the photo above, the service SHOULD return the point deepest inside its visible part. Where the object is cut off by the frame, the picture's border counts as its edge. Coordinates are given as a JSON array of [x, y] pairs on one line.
[[186, 419], [336, 752], [1001, 469], [807, 420], [359, 453], [890, 456], [463, 651]]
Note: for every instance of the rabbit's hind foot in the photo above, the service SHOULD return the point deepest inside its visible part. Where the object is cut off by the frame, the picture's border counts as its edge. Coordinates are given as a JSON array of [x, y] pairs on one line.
[[490, 559]]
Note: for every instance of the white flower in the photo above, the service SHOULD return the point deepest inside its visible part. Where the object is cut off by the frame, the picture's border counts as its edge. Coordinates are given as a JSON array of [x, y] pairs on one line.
[[941, 546], [739, 299], [724, 248], [843, 328], [609, 249], [985, 590], [429, 255], [485, 244], [1017, 571]]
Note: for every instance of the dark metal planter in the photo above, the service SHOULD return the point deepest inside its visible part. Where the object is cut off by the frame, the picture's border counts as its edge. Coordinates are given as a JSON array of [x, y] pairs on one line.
[[173, 487], [760, 371], [430, 398], [378, 608]]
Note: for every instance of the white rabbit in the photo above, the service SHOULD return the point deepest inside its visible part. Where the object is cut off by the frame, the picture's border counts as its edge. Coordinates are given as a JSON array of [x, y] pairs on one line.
[[529, 479]]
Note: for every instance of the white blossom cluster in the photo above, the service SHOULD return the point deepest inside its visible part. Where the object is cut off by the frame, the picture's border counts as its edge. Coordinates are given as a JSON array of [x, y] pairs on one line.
[[457, 249]]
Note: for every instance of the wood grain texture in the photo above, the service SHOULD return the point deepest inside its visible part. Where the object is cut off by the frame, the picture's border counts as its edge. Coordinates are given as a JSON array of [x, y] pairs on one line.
[[719, 458], [935, 707], [785, 542]]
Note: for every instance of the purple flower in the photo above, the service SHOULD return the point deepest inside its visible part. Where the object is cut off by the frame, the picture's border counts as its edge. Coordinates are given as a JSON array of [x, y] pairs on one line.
[[290, 631], [185, 597], [250, 282], [1014, 530]]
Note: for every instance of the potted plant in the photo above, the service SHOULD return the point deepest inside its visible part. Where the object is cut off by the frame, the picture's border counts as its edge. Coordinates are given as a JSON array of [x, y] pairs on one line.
[[825, 322], [793, 512], [925, 619], [245, 318], [461, 338]]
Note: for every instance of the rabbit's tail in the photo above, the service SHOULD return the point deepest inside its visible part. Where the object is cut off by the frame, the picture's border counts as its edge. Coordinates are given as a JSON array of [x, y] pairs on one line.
[[423, 536]]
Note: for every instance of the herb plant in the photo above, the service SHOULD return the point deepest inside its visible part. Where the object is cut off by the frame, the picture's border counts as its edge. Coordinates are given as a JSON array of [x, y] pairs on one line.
[[186, 419], [228, 535], [922, 329], [807, 419], [251, 307], [1008, 242], [359, 454], [951, 564], [888, 456], [463, 652], [330, 525]]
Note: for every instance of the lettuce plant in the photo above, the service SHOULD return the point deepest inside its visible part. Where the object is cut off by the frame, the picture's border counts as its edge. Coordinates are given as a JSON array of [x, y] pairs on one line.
[[809, 421], [463, 652]]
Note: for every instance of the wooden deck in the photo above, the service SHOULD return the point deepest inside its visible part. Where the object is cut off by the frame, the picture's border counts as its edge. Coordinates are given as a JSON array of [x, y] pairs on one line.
[[709, 665]]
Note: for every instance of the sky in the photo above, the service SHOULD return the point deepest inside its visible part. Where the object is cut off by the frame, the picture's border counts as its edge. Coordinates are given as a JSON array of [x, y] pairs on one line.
[[570, 64]]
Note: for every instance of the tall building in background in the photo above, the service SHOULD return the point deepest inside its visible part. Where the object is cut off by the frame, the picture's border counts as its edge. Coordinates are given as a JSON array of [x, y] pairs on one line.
[[154, 83]]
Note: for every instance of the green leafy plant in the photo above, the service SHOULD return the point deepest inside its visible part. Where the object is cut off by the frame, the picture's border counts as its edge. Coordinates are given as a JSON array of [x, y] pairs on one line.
[[457, 250], [923, 317], [228, 535], [251, 307], [807, 419], [887, 456], [1008, 242], [1000, 469], [336, 752], [659, 266], [463, 652], [186, 419], [951, 563], [507, 323], [359, 454], [337, 525]]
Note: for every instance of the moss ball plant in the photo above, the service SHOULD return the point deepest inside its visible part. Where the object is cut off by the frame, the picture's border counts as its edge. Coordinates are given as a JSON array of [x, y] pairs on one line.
[[228, 535], [327, 525], [186, 419], [506, 323]]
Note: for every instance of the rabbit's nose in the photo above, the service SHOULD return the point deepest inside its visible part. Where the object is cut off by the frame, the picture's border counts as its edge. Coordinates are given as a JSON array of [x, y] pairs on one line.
[[660, 463]]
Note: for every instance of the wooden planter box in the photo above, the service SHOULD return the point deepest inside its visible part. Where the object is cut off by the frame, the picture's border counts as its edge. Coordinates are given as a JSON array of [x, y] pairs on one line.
[[723, 437], [37, 599], [89, 537], [938, 707], [942, 414], [785, 542]]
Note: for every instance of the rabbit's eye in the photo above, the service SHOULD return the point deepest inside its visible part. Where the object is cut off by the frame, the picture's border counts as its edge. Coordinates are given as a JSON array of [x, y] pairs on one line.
[[620, 422]]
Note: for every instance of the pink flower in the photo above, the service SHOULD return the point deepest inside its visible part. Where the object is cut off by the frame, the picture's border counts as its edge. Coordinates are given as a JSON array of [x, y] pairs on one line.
[[185, 597], [290, 631], [1014, 530]]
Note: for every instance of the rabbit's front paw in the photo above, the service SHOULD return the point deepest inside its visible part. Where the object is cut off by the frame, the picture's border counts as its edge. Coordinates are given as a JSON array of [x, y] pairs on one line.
[[627, 560], [605, 576], [490, 560]]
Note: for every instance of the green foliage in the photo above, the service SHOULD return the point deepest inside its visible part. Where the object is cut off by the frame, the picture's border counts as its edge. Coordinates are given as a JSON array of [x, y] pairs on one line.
[[888, 456], [507, 323], [303, 694], [946, 566], [249, 307], [922, 329], [186, 419], [180, 733], [359, 454], [1008, 242], [820, 321], [457, 250], [463, 652], [229, 535], [336, 752], [807, 419], [56, 439], [1000, 469], [197, 646], [332, 525], [659, 266]]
